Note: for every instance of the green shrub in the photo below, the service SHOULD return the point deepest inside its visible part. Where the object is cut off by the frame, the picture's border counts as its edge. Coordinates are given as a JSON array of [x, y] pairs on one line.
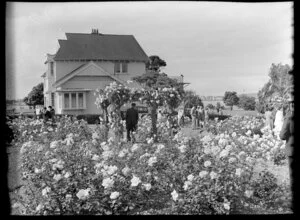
[[90, 118], [220, 117]]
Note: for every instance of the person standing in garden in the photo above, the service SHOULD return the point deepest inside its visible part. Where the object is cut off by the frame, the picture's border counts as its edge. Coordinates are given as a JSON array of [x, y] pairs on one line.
[[180, 116], [194, 117], [201, 116], [132, 117], [38, 112], [206, 116], [269, 118], [46, 114], [278, 121], [198, 116], [287, 134], [52, 113]]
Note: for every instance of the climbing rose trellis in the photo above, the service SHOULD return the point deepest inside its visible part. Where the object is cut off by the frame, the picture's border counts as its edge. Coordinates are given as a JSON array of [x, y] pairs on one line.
[[114, 96]]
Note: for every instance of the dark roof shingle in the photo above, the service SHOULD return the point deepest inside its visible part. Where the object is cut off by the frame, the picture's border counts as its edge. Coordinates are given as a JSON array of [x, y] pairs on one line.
[[100, 47]]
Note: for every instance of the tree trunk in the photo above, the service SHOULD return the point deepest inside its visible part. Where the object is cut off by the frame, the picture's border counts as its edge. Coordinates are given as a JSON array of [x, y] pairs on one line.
[[154, 121], [106, 124], [170, 121], [117, 122]]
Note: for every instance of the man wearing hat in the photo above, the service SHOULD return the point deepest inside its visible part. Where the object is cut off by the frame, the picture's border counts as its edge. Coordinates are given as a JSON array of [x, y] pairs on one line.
[[287, 134]]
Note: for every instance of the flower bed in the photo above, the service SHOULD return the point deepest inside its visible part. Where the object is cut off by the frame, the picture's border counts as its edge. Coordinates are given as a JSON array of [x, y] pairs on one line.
[[71, 169]]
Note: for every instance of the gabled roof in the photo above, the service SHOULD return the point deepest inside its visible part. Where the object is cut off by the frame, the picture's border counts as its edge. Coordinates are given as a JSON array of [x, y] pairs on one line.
[[81, 68], [100, 47]]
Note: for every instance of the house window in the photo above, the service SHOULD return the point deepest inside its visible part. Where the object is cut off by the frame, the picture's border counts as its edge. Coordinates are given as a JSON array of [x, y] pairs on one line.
[[52, 99], [121, 67], [80, 100], [51, 68], [66, 100], [74, 100], [124, 67], [117, 68]]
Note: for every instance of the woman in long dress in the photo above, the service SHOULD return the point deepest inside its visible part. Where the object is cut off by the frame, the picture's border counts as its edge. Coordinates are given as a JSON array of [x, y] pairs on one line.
[[278, 121], [269, 118]]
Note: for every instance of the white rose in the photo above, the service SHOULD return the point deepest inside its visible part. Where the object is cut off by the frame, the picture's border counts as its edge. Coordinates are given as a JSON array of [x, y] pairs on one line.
[[182, 148], [232, 160], [238, 172], [224, 153], [67, 175], [36, 170], [57, 177], [203, 173], [95, 157], [107, 183], [39, 207], [150, 141], [152, 160], [213, 175], [125, 170], [228, 147], [54, 144], [249, 193], [83, 194], [135, 181], [227, 206], [46, 190], [174, 195], [95, 136], [121, 154], [134, 147], [190, 177], [147, 186], [207, 163], [114, 195]]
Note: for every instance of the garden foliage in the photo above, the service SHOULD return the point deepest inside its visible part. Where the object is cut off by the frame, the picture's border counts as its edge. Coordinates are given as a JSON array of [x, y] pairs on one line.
[[72, 169]]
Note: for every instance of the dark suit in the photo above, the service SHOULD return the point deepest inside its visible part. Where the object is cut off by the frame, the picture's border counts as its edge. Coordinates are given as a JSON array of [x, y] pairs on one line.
[[287, 134], [132, 117]]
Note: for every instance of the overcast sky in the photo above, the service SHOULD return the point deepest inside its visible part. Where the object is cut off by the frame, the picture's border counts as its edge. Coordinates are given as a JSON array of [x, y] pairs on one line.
[[217, 46]]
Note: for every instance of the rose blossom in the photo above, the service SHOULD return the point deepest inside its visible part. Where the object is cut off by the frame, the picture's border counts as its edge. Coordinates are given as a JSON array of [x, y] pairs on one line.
[[107, 182], [190, 177], [83, 193], [114, 195], [207, 163], [203, 173], [57, 177], [147, 186], [174, 195], [213, 175], [135, 181]]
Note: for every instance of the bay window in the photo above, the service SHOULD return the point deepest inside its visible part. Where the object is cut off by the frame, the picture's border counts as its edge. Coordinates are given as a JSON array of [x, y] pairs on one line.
[[74, 100]]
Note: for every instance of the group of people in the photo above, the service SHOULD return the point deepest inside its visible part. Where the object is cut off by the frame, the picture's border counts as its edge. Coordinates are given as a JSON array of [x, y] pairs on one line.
[[44, 113], [199, 116]]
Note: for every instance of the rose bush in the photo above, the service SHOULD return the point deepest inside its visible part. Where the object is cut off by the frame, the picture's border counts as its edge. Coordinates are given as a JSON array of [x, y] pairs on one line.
[[71, 169]]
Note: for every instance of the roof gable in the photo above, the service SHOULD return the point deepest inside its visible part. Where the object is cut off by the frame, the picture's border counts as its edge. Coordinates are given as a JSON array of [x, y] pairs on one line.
[[100, 47], [88, 69]]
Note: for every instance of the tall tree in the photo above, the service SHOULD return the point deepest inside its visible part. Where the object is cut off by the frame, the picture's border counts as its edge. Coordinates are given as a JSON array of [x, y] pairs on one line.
[[155, 63], [246, 102], [191, 99], [230, 99], [279, 86], [35, 96]]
